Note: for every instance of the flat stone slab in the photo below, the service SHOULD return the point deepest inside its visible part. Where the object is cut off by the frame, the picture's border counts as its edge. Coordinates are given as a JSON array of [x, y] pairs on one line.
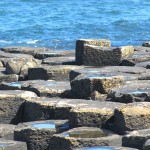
[[7, 131], [12, 145], [37, 134], [136, 139], [83, 85], [105, 56], [137, 57], [122, 70], [46, 72], [135, 116], [23, 50], [80, 47], [97, 114], [59, 61], [11, 105], [105, 148], [8, 77], [52, 108], [141, 49], [49, 88], [147, 145], [82, 137], [54, 53], [131, 91], [145, 76], [145, 64]]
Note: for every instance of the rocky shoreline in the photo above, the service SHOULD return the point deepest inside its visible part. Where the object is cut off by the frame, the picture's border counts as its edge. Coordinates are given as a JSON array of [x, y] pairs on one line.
[[94, 98]]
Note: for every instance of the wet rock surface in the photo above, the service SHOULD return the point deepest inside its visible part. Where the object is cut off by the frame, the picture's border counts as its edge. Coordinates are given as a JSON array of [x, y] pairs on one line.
[[12, 145], [137, 139], [83, 136], [106, 107], [38, 134]]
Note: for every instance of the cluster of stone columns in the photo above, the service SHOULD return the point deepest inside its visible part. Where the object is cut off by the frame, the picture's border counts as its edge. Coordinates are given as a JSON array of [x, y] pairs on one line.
[[94, 98]]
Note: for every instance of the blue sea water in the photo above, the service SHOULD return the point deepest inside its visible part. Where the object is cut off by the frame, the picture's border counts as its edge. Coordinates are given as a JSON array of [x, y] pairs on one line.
[[57, 24]]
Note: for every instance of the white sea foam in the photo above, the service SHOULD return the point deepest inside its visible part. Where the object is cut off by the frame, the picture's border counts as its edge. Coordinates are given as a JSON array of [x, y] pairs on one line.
[[32, 41], [7, 42]]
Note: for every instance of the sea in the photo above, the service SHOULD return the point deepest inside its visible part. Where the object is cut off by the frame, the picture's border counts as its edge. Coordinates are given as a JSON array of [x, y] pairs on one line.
[[57, 24]]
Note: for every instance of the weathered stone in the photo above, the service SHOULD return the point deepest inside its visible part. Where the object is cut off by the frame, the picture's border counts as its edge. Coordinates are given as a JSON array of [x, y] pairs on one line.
[[147, 145], [84, 85], [135, 59], [80, 47], [37, 134], [136, 139], [97, 114], [12, 145], [54, 53], [105, 56], [105, 148], [11, 105], [51, 108], [7, 131], [135, 116], [146, 44], [131, 91], [145, 64], [40, 109], [83, 136], [125, 71], [8, 77], [141, 49], [20, 66], [46, 72], [145, 76], [49, 88], [97, 96], [24, 50], [59, 61]]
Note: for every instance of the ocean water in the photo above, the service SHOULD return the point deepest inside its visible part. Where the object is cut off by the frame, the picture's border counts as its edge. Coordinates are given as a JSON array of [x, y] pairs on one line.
[[58, 24]]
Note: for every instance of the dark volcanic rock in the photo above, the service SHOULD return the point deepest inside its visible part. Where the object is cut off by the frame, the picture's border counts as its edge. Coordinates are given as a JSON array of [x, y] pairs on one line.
[[146, 44], [131, 91], [11, 105], [82, 137], [84, 85], [37, 134], [97, 114], [80, 51], [135, 116], [105, 56], [46, 72], [136, 139]]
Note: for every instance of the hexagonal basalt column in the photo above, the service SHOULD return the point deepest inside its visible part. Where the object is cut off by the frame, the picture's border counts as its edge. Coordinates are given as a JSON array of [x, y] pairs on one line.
[[51, 108], [131, 117], [131, 91], [80, 47], [82, 137], [46, 72], [12, 145], [37, 134], [11, 105], [97, 114], [83, 85], [137, 139]]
